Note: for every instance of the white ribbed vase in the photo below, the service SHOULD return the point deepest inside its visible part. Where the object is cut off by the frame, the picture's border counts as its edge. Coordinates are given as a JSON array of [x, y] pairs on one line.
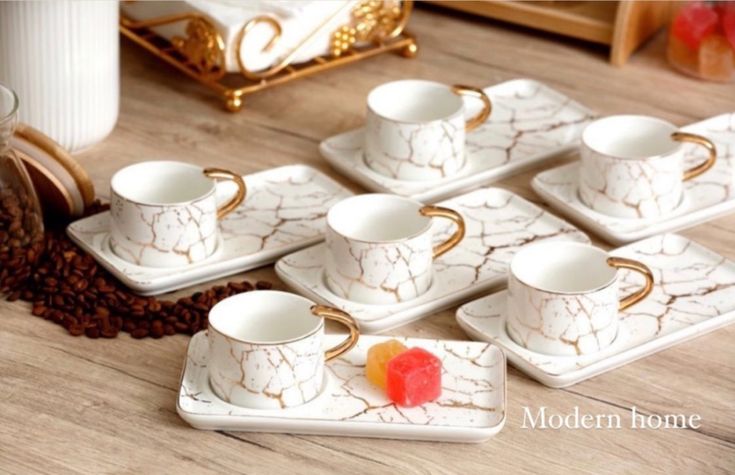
[[62, 58]]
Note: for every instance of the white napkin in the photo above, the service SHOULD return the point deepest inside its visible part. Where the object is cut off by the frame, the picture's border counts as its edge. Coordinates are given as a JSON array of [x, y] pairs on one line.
[[297, 19]]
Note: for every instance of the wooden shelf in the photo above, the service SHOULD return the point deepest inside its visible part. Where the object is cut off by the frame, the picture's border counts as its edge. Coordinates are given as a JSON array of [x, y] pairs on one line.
[[591, 21], [622, 25]]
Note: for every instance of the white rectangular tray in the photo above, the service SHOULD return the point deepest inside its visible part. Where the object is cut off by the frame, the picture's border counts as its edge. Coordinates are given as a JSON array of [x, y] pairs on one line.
[[694, 294], [284, 210], [498, 223], [530, 122], [706, 197], [471, 408]]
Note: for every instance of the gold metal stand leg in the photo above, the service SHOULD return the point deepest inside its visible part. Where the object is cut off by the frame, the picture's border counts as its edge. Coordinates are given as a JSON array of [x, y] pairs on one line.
[[233, 100], [411, 50]]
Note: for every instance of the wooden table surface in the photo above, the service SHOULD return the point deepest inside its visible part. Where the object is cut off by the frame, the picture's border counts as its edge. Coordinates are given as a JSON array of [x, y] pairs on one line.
[[79, 405]]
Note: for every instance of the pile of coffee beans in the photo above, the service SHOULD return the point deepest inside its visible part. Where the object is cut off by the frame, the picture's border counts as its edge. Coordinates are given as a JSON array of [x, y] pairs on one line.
[[67, 287]]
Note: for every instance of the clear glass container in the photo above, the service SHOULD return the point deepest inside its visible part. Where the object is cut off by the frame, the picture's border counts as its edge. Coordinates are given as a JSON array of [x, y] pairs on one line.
[[702, 39], [21, 221]]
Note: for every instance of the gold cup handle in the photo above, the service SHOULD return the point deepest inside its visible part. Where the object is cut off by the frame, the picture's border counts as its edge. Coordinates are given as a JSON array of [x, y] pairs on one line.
[[477, 93], [221, 174], [635, 297], [454, 239], [704, 142], [345, 319]]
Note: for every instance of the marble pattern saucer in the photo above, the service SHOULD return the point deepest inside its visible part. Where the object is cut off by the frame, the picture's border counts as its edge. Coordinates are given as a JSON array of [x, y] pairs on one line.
[[694, 294], [498, 224], [529, 123], [471, 408], [706, 197], [284, 210]]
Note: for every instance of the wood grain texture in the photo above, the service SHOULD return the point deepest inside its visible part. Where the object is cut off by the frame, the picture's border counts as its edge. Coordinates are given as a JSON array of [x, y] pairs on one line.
[[635, 22], [623, 25], [74, 405], [590, 21]]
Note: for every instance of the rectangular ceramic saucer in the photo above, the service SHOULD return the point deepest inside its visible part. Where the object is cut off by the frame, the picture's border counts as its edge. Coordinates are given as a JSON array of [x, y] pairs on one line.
[[706, 197], [471, 407], [284, 210], [694, 294], [498, 223], [529, 123]]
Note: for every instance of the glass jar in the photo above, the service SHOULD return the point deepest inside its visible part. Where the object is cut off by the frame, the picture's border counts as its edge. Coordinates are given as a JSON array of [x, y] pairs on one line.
[[21, 221], [702, 39]]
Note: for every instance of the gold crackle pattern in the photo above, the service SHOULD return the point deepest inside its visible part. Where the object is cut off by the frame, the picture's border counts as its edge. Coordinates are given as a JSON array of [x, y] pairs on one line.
[[714, 187], [498, 223], [694, 289], [473, 389], [590, 324], [526, 121], [278, 376], [630, 188], [397, 271], [529, 121], [285, 207], [402, 150], [181, 234], [280, 211]]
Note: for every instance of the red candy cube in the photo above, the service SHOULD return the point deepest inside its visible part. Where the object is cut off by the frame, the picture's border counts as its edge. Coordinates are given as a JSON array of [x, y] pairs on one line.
[[414, 377], [693, 22], [728, 23]]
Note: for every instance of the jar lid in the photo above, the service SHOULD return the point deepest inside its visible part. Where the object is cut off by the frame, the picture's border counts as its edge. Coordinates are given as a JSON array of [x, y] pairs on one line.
[[62, 185]]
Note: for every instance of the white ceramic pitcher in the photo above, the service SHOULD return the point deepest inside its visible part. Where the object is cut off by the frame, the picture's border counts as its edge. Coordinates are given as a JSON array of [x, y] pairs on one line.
[[63, 60]]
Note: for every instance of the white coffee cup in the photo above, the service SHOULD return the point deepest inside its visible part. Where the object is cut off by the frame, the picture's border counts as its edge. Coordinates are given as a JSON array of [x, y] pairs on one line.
[[380, 247], [165, 214], [265, 348], [415, 129], [563, 297], [632, 166]]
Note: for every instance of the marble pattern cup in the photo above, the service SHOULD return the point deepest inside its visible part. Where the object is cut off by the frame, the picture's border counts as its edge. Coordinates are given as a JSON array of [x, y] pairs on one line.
[[632, 166], [563, 297], [165, 213], [380, 247], [265, 348], [415, 129]]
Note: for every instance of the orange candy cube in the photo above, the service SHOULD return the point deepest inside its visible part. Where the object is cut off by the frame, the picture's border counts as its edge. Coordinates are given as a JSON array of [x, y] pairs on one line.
[[716, 58], [377, 360]]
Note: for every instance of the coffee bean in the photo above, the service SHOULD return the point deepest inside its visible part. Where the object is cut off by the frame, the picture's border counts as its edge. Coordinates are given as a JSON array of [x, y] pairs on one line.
[[128, 326], [156, 329], [38, 310], [70, 320], [80, 285], [110, 333]]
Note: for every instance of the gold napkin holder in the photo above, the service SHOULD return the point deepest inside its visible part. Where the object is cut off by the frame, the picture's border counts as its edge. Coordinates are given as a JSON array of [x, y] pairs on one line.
[[376, 26]]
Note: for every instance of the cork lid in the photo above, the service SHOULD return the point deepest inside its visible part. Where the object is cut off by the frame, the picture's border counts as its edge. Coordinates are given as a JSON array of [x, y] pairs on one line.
[[63, 186]]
